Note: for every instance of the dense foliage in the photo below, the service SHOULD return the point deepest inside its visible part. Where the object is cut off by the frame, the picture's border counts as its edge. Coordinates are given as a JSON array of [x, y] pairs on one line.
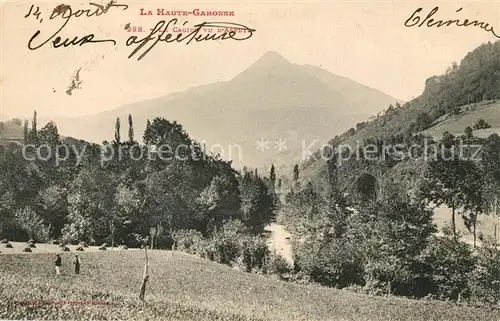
[[122, 191], [392, 244]]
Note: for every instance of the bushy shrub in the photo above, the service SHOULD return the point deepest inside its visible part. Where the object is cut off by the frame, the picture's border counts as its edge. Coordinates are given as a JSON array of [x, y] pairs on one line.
[[448, 264], [485, 278], [277, 265], [334, 263], [254, 252], [481, 124], [223, 247], [190, 241]]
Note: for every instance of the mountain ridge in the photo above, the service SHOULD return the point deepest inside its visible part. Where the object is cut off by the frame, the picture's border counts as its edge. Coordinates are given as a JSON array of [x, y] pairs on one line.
[[271, 97]]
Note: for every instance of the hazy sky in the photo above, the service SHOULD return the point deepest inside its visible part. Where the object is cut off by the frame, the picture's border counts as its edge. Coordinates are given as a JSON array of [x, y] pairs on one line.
[[365, 41]]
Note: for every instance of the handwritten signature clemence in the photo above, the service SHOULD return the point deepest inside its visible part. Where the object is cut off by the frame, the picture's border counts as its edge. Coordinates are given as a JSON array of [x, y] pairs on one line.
[[156, 35], [416, 20]]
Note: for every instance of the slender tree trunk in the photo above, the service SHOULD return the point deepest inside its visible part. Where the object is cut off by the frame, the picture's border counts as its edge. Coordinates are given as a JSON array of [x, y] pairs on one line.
[[453, 225], [474, 228], [152, 242], [145, 277], [495, 233]]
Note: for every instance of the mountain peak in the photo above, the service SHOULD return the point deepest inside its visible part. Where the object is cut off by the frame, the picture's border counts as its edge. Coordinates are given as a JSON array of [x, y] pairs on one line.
[[272, 58]]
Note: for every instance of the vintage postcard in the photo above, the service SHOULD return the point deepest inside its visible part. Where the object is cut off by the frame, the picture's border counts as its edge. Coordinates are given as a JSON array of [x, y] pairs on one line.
[[263, 160]]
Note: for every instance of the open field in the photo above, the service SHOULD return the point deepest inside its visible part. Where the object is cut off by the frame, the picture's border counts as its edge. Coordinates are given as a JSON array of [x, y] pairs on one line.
[[183, 287], [456, 124]]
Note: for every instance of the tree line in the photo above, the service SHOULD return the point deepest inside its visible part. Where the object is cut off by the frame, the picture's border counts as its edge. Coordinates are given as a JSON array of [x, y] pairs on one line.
[[123, 200]]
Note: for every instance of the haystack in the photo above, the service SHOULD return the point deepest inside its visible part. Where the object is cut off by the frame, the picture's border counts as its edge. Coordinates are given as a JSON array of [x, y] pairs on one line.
[[65, 249], [8, 245], [123, 247], [32, 245], [79, 249], [26, 249], [4, 241], [102, 248]]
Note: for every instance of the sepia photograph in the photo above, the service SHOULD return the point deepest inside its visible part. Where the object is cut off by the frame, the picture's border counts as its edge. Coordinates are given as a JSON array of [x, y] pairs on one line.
[[250, 161]]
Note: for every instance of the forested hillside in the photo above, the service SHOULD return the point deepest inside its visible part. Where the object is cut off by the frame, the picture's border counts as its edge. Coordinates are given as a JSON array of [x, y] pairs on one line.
[[361, 209], [475, 79], [123, 191]]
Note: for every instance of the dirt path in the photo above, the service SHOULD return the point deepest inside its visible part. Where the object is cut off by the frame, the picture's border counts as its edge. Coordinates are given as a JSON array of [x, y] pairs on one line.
[[279, 239]]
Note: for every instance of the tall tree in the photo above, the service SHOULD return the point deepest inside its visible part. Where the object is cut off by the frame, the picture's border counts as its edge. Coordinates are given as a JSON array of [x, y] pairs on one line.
[[26, 131], [490, 163], [257, 204], [272, 176], [34, 131], [117, 131], [296, 173], [446, 183], [147, 133], [130, 129], [474, 201], [49, 134]]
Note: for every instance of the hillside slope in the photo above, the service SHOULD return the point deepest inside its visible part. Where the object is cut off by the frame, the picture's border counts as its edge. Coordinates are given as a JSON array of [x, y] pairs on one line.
[[182, 287], [476, 79], [455, 124], [450, 102]]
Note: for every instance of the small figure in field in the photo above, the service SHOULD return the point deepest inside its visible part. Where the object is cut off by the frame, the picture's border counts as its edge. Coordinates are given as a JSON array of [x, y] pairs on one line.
[[76, 262], [58, 264]]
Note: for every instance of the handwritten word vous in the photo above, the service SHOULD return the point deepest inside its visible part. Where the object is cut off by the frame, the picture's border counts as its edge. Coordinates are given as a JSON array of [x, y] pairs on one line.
[[65, 13]]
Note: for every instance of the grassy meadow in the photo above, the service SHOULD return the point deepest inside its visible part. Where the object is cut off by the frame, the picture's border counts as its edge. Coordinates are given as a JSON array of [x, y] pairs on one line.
[[456, 124], [183, 287]]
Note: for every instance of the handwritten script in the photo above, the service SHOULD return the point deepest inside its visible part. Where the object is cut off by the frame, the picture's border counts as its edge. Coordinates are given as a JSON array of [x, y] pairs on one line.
[[417, 20], [206, 31]]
